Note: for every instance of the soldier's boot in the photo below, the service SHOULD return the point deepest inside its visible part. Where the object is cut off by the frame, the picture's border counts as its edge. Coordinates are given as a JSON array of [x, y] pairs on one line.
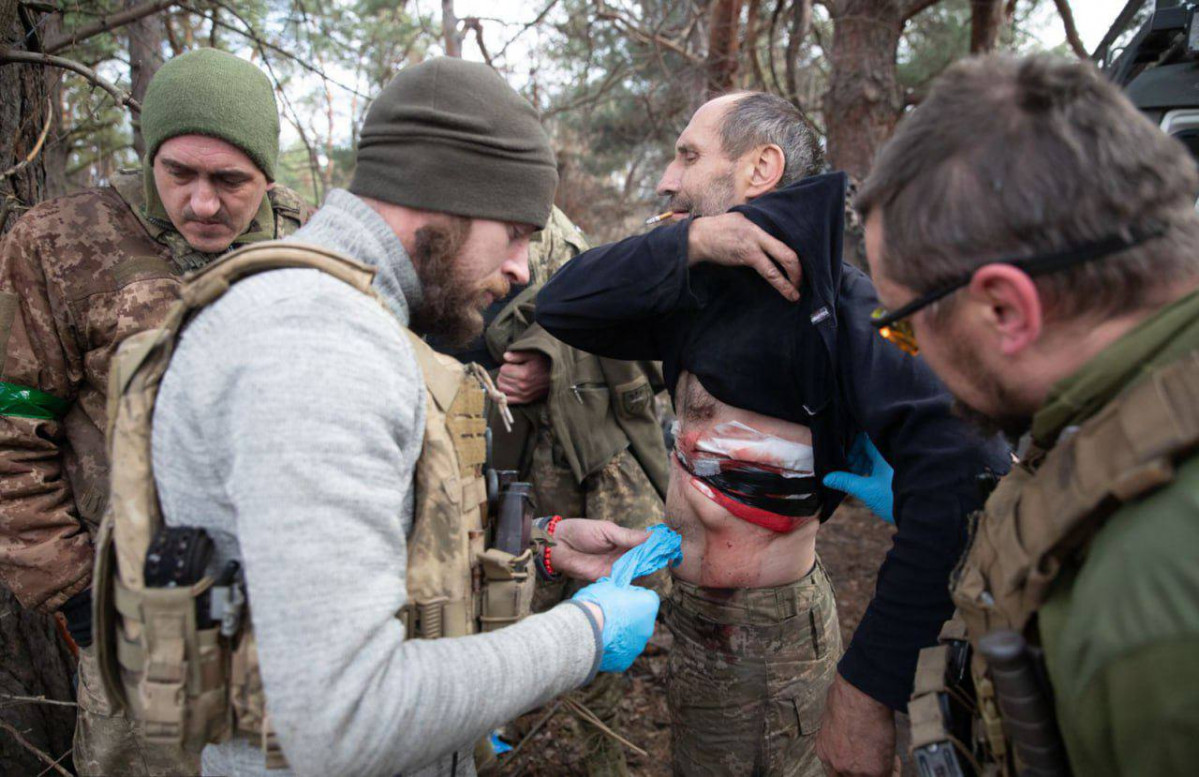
[[603, 756]]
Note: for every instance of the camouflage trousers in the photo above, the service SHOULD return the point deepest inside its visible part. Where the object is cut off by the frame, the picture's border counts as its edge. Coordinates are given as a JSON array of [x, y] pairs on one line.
[[108, 744], [747, 677], [621, 493]]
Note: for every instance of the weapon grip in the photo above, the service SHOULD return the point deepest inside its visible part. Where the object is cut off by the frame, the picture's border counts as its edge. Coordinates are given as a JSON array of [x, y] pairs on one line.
[[514, 524], [1027, 714]]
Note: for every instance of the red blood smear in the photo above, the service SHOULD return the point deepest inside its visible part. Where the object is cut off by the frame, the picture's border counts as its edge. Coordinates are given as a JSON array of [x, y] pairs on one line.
[[756, 515]]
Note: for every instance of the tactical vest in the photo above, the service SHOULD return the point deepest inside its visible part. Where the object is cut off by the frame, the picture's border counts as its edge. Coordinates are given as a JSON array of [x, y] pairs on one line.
[[1039, 518], [191, 685]]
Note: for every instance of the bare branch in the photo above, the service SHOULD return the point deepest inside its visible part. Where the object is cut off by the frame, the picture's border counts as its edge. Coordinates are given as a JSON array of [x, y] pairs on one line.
[[37, 147], [30, 747], [473, 23], [8, 697], [1063, 10], [57, 761], [105, 24], [122, 98], [603, 12], [536, 21], [252, 35]]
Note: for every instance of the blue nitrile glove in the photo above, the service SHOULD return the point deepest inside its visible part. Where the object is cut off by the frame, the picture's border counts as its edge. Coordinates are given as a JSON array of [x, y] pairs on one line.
[[869, 478], [663, 547], [499, 746], [629, 610]]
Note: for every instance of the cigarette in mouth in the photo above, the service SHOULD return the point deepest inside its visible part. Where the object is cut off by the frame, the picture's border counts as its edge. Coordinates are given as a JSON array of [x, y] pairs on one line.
[[659, 218]]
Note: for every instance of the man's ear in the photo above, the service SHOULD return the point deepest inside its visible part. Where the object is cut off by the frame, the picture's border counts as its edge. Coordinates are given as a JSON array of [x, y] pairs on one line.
[[764, 167], [1008, 300], [270, 185]]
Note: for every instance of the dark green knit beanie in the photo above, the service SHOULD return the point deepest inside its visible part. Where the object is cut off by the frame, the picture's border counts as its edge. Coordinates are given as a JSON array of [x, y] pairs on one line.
[[452, 136], [214, 93]]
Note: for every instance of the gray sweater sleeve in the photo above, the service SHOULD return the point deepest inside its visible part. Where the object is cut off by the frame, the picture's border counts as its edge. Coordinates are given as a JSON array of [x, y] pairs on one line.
[[312, 409]]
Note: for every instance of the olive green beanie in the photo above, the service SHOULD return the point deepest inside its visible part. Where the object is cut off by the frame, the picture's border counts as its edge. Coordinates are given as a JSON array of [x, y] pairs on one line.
[[212, 92], [452, 136]]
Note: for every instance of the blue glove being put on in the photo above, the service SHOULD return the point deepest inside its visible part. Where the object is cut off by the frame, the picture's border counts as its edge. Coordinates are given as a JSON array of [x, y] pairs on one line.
[[629, 610], [869, 478]]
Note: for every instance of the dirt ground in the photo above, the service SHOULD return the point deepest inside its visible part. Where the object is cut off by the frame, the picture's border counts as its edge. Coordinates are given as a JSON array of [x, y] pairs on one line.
[[852, 546]]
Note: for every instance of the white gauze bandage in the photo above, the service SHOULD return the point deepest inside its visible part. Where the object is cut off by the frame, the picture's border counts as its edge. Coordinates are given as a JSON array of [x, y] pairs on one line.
[[735, 440]]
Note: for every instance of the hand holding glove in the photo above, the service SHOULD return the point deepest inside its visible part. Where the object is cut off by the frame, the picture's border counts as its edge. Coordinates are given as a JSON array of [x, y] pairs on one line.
[[869, 478], [629, 610]]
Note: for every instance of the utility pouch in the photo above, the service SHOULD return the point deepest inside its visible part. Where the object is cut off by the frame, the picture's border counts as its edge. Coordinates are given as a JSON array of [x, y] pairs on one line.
[[508, 583], [183, 684], [942, 706]]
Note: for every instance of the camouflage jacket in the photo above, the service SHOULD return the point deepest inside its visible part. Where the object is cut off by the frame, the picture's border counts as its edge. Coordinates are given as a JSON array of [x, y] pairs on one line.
[[597, 407], [78, 275]]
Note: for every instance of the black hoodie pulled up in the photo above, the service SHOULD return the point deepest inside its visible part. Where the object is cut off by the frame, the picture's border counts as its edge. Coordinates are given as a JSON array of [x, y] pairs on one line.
[[816, 362]]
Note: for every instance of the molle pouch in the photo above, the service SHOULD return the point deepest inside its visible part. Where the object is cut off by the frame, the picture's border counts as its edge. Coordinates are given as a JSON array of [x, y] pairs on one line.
[[161, 655], [941, 707], [508, 583], [183, 687]]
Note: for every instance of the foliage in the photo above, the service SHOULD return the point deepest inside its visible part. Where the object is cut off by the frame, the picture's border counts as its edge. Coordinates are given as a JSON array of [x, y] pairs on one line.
[[616, 79]]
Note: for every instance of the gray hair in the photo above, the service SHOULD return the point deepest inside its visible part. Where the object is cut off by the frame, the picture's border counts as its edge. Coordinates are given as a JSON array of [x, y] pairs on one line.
[[1013, 156], [759, 119]]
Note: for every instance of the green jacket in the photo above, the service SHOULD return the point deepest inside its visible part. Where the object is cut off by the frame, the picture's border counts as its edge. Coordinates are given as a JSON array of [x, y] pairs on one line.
[[1121, 625], [597, 407]]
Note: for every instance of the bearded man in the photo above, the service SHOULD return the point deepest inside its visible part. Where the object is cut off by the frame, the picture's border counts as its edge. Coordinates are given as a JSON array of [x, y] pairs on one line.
[[1035, 236], [321, 444], [780, 385], [78, 276]]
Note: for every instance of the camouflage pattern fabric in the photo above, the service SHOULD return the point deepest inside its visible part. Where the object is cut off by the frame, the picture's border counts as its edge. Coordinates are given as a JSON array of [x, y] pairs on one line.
[[81, 274], [107, 743], [554, 246], [619, 492], [747, 677]]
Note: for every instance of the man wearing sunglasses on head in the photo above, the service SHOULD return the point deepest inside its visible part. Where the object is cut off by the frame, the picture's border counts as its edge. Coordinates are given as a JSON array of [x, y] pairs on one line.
[[780, 381], [1037, 236]]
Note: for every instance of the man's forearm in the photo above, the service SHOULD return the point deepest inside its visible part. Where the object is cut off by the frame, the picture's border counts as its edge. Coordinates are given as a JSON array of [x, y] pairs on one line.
[[45, 551], [606, 300]]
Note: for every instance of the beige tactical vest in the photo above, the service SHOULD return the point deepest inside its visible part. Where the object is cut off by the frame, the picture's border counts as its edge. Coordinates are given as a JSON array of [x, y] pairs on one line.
[[192, 686], [1043, 513]]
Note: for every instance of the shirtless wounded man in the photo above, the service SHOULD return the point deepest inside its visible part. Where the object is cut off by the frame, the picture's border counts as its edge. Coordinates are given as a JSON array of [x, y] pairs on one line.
[[772, 392]]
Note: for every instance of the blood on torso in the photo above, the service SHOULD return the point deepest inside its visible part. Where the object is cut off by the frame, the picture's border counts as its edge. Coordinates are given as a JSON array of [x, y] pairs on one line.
[[721, 550]]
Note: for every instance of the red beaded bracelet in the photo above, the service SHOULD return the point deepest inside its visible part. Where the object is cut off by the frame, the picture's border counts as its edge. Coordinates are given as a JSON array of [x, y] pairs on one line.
[[549, 529]]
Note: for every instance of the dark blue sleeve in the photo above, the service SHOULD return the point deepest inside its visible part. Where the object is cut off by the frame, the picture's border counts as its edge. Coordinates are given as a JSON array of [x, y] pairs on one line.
[[614, 300], [938, 459]]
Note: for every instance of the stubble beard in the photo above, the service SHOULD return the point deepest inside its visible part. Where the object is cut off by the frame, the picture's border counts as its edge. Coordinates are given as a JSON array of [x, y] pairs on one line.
[[714, 199], [1007, 421], [452, 303]]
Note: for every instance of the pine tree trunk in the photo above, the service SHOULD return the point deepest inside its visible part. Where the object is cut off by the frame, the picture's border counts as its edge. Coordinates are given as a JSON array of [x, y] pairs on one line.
[[987, 20], [724, 23], [146, 37], [864, 93], [864, 96], [33, 659]]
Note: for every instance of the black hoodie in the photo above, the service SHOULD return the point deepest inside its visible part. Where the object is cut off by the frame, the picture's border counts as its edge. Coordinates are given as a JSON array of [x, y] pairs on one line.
[[816, 362]]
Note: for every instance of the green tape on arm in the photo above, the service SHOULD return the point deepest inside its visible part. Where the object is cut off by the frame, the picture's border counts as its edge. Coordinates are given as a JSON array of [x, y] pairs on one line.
[[24, 402]]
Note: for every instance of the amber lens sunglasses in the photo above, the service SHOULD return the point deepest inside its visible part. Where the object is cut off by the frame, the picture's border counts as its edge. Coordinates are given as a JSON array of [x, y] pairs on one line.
[[896, 329]]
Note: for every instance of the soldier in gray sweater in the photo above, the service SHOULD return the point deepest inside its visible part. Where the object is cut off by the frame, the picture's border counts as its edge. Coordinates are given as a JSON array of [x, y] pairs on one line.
[[291, 419]]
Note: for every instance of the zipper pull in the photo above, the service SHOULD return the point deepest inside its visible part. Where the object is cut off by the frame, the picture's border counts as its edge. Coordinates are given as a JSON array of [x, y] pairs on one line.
[[578, 396]]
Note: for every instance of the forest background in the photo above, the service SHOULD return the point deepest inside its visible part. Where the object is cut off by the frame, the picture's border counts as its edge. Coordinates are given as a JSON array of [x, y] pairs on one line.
[[615, 81]]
